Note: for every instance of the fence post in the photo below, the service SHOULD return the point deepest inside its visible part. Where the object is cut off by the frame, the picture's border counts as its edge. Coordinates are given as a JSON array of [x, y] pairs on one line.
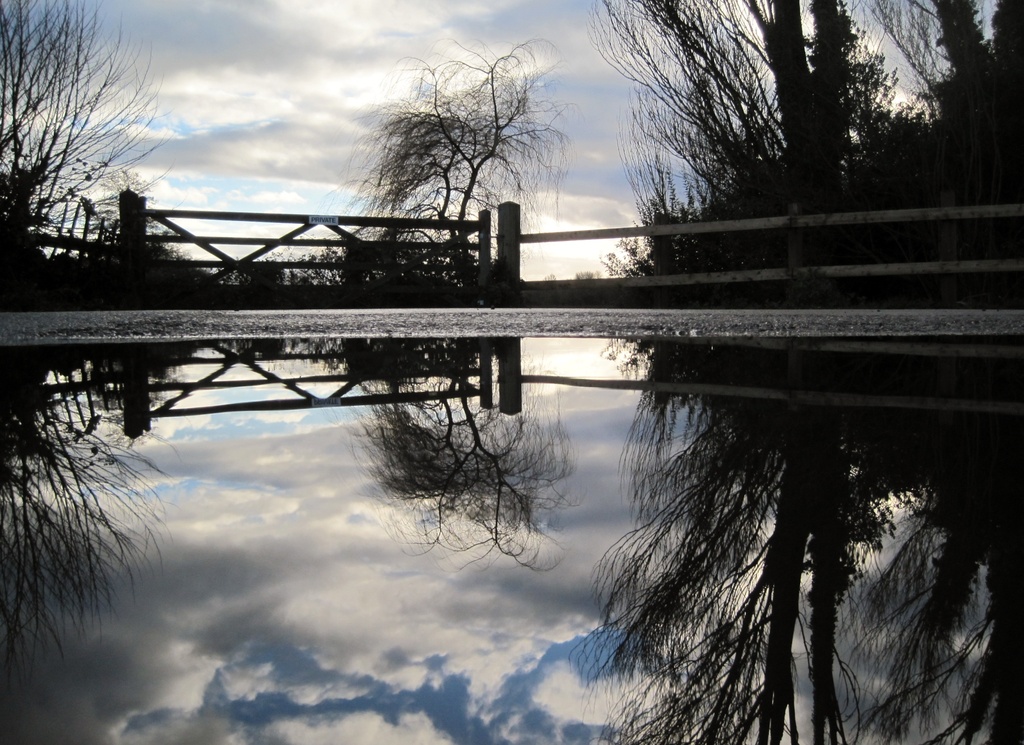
[[509, 230], [947, 249], [484, 241], [795, 240], [663, 258]]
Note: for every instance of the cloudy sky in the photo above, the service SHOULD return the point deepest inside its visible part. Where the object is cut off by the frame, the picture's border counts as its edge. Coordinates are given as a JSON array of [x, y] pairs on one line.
[[262, 101]]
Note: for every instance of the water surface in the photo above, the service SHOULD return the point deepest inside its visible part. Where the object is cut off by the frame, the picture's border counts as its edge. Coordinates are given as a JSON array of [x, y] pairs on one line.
[[480, 539]]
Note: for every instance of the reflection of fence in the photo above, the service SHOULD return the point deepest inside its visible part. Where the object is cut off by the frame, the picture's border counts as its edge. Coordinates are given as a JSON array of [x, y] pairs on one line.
[[374, 251], [795, 394], [291, 393], [377, 372], [795, 224]]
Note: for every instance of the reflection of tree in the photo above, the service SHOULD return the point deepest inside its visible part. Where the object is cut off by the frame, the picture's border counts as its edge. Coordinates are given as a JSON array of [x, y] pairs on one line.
[[704, 598], [756, 522], [948, 607], [472, 479], [71, 512]]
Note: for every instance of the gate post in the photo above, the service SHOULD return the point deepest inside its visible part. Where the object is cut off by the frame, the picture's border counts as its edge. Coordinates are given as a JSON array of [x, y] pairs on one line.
[[133, 238], [509, 230]]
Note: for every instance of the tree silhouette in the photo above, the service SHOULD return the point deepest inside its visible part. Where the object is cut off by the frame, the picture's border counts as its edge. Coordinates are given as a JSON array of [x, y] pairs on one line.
[[74, 106], [476, 128]]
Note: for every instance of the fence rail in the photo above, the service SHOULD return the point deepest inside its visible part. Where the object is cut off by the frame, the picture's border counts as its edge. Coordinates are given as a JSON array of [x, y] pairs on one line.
[[923, 214], [359, 221]]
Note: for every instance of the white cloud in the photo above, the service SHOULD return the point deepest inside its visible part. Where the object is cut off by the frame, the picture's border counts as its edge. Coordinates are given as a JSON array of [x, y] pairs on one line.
[[413, 729]]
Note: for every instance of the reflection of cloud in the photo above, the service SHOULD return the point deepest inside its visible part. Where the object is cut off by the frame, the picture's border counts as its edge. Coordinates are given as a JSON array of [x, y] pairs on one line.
[[273, 701], [280, 611]]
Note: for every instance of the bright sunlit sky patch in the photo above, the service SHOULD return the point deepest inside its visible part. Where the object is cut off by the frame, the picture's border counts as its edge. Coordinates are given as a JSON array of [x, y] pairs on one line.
[[261, 101]]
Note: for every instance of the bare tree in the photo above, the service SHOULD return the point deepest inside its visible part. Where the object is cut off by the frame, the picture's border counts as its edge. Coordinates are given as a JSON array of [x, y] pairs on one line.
[[476, 128], [74, 105]]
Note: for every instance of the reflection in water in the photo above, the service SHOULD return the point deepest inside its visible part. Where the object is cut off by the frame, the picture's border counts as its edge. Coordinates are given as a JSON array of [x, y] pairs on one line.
[[826, 540], [75, 508], [470, 478], [861, 562], [75, 516]]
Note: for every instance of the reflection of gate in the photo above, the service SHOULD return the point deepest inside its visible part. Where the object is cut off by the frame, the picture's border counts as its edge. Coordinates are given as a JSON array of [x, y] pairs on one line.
[[357, 255], [238, 382]]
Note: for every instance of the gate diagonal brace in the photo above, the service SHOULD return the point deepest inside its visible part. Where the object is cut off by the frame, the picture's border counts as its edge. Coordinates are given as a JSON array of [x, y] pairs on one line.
[[231, 263], [276, 243]]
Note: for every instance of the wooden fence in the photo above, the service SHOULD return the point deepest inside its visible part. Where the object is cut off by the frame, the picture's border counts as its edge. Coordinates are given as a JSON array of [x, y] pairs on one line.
[[946, 263], [350, 233]]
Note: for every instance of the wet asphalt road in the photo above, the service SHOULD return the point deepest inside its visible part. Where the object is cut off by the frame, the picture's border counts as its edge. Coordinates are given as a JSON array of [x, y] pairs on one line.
[[47, 328]]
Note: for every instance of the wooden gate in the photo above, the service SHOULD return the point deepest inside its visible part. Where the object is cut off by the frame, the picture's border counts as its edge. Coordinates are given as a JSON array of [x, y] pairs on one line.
[[342, 259]]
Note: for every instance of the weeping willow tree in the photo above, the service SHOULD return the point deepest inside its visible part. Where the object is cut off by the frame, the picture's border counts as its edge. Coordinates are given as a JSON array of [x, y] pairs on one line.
[[474, 129]]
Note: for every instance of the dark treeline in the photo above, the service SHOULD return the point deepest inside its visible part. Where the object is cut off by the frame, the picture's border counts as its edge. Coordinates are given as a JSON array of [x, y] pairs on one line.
[[814, 572], [744, 108]]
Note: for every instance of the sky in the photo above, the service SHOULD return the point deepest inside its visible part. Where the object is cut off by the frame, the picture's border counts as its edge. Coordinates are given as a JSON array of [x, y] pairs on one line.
[[261, 102]]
